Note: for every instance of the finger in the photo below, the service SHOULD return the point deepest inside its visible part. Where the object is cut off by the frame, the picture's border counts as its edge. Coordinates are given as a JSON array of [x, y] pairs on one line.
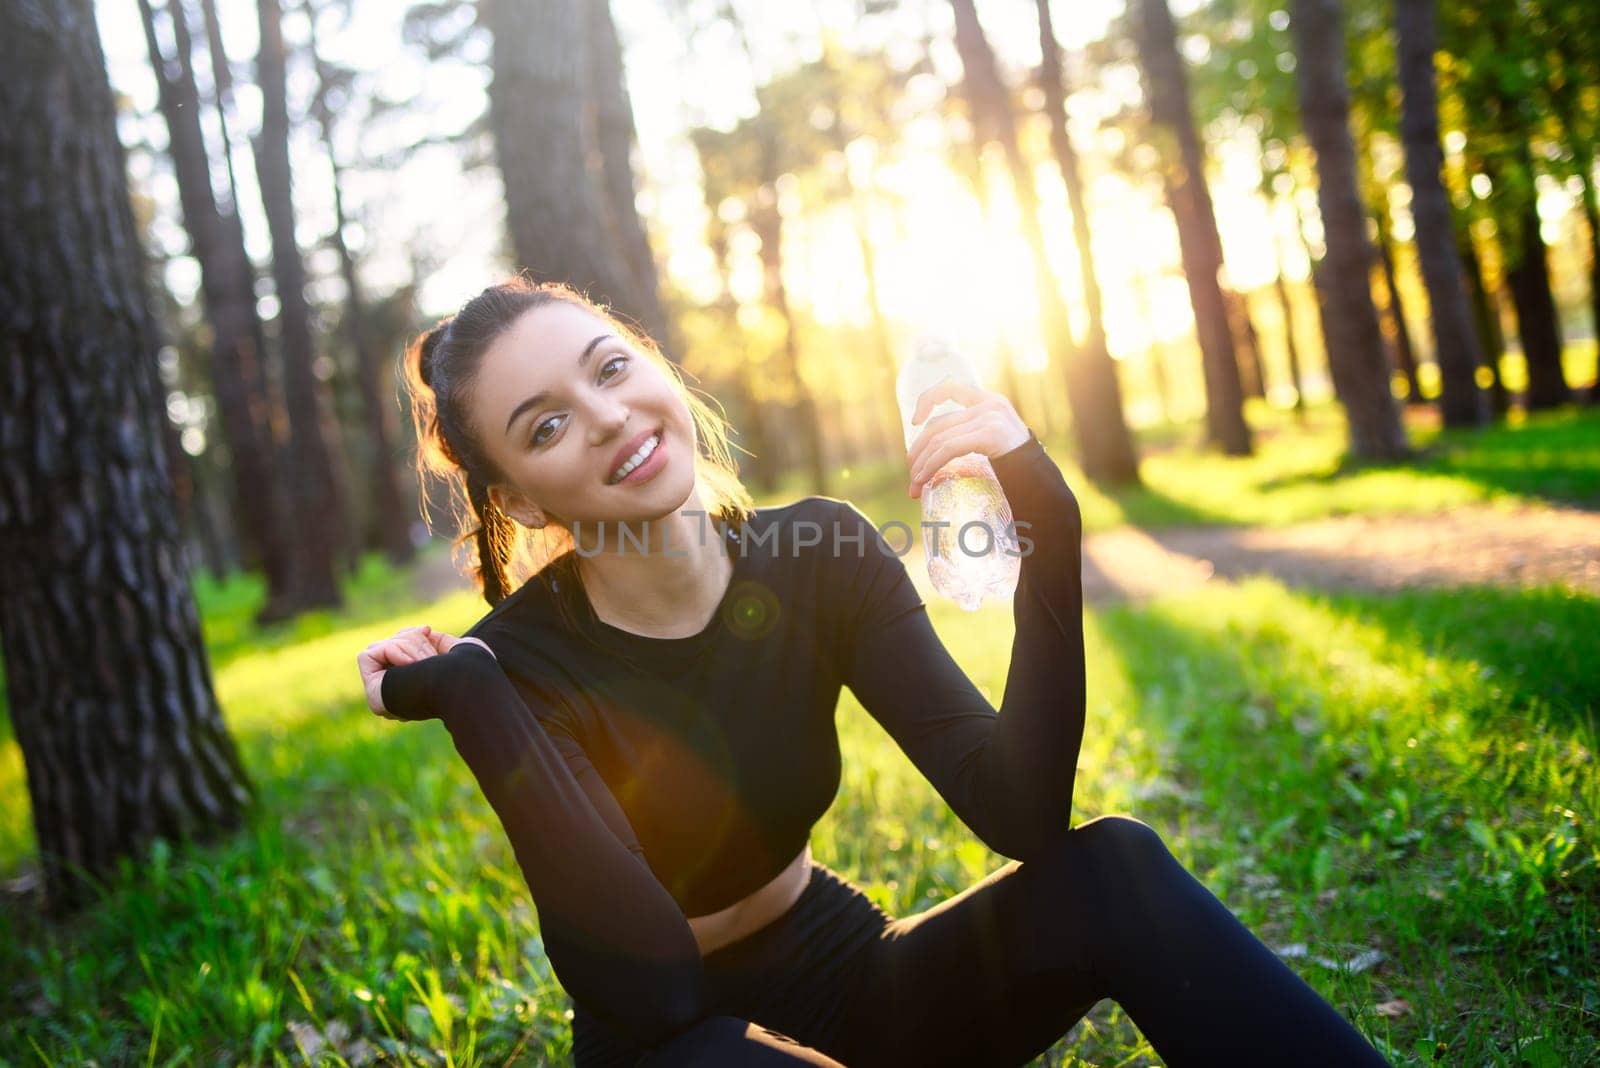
[[934, 453], [945, 389], [947, 448], [934, 427], [396, 653]]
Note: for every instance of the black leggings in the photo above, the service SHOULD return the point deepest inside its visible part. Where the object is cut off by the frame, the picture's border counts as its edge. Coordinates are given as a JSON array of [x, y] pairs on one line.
[[1001, 971]]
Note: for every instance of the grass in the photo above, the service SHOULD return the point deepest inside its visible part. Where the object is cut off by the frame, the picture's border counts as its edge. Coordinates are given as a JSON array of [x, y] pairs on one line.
[[1412, 775]]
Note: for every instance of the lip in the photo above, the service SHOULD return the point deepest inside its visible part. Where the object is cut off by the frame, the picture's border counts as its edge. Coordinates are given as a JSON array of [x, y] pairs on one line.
[[628, 450]]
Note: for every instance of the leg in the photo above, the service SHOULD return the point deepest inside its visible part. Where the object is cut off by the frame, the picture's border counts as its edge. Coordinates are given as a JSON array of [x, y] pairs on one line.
[[1001, 971], [729, 1042]]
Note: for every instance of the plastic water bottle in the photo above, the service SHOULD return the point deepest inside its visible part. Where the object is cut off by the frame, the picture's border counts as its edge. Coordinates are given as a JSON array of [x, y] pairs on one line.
[[976, 553]]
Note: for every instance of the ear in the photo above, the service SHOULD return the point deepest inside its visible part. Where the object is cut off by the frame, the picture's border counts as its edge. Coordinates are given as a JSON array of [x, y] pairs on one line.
[[516, 505]]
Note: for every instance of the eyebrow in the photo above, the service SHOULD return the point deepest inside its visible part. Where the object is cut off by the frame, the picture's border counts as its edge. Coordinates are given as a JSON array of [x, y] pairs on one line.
[[544, 394]]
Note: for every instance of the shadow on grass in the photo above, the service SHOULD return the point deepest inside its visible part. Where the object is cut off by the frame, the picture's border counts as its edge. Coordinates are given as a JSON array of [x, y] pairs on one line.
[[1536, 646], [1555, 457]]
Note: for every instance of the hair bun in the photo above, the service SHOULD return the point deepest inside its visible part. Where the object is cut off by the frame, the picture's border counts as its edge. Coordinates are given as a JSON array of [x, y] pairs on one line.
[[430, 345]]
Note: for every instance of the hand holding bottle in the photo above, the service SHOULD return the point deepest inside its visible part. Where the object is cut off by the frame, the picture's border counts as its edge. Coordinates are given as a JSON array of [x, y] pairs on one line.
[[966, 521], [987, 424]]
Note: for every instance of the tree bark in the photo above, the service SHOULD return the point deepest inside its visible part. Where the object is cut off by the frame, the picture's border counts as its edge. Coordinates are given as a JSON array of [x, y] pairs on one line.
[[314, 485], [1189, 197], [1109, 455], [1456, 347], [217, 244], [1355, 343], [108, 686], [538, 109], [389, 519], [615, 136]]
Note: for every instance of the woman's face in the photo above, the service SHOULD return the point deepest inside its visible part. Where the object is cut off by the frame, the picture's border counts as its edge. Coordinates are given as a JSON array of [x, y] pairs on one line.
[[561, 402]]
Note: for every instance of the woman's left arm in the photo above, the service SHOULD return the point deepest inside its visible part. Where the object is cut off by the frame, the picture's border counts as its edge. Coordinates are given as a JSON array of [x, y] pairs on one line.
[[1009, 775]]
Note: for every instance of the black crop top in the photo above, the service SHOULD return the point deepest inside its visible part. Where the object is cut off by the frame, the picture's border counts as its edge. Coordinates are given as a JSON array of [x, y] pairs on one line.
[[643, 780]]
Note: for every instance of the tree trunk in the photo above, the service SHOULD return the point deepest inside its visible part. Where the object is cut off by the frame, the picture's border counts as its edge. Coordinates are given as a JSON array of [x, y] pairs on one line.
[[1291, 346], [108, 686], [1457, 350], [1246, 342], [615, 137], [555, 209], [1319, 290], [1486, 319], [1405, 356], [319, 505], [389, 525], [1355, 343], [1086, 387], [1538, 328], [266, 404], [230, 308], [1189, 197], [1108, 448], [1591, 216], [766, 219]]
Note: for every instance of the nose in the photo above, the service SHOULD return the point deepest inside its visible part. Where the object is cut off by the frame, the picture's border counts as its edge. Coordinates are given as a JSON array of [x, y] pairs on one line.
[[610, 419]]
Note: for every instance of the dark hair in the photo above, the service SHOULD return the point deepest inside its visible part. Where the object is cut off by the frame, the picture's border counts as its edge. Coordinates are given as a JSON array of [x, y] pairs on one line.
[[440, 368]]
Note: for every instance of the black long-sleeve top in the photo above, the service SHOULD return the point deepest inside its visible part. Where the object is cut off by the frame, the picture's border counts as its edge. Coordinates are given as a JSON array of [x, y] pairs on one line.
[[644, 780]]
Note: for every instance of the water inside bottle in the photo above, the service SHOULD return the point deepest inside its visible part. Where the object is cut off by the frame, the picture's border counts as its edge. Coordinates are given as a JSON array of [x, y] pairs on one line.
[[977, 555]]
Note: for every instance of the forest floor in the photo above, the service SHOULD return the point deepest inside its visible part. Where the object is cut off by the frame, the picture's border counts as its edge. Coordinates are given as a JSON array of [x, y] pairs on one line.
[[1526, 546]]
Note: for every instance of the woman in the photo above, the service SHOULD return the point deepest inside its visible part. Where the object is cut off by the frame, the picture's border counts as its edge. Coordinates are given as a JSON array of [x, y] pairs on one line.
[[650, 713]]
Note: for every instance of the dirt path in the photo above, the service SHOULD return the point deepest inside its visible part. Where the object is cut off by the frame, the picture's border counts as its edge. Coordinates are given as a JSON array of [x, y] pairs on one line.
[[1520, 547], [1512, 547]]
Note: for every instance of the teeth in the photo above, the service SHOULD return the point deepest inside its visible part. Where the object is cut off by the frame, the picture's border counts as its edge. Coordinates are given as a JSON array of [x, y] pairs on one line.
[[637, 458]]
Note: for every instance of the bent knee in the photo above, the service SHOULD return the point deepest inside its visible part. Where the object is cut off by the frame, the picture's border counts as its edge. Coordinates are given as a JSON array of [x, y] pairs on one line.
[[1120, 846]]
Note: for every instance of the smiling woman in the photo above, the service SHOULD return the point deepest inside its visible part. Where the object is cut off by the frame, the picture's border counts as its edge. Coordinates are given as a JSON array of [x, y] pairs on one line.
[[655, 731], [509, 395]]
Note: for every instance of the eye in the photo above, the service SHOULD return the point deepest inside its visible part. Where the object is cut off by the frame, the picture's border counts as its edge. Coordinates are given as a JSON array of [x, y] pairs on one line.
[[537, 439]]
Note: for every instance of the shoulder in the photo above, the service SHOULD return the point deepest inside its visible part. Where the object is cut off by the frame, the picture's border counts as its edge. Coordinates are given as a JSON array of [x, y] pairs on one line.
[[525, 631], [845, 538], [786, 530]]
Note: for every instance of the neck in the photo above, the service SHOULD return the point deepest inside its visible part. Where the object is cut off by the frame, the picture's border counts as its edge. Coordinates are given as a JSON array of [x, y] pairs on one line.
[[659, 577]]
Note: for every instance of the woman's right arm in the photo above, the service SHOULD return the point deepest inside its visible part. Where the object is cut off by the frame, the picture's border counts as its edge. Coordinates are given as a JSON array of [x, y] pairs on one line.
[[617, 940]]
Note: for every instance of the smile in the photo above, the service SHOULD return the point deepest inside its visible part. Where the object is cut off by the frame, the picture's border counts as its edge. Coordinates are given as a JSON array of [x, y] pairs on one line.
[[644, 453]]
